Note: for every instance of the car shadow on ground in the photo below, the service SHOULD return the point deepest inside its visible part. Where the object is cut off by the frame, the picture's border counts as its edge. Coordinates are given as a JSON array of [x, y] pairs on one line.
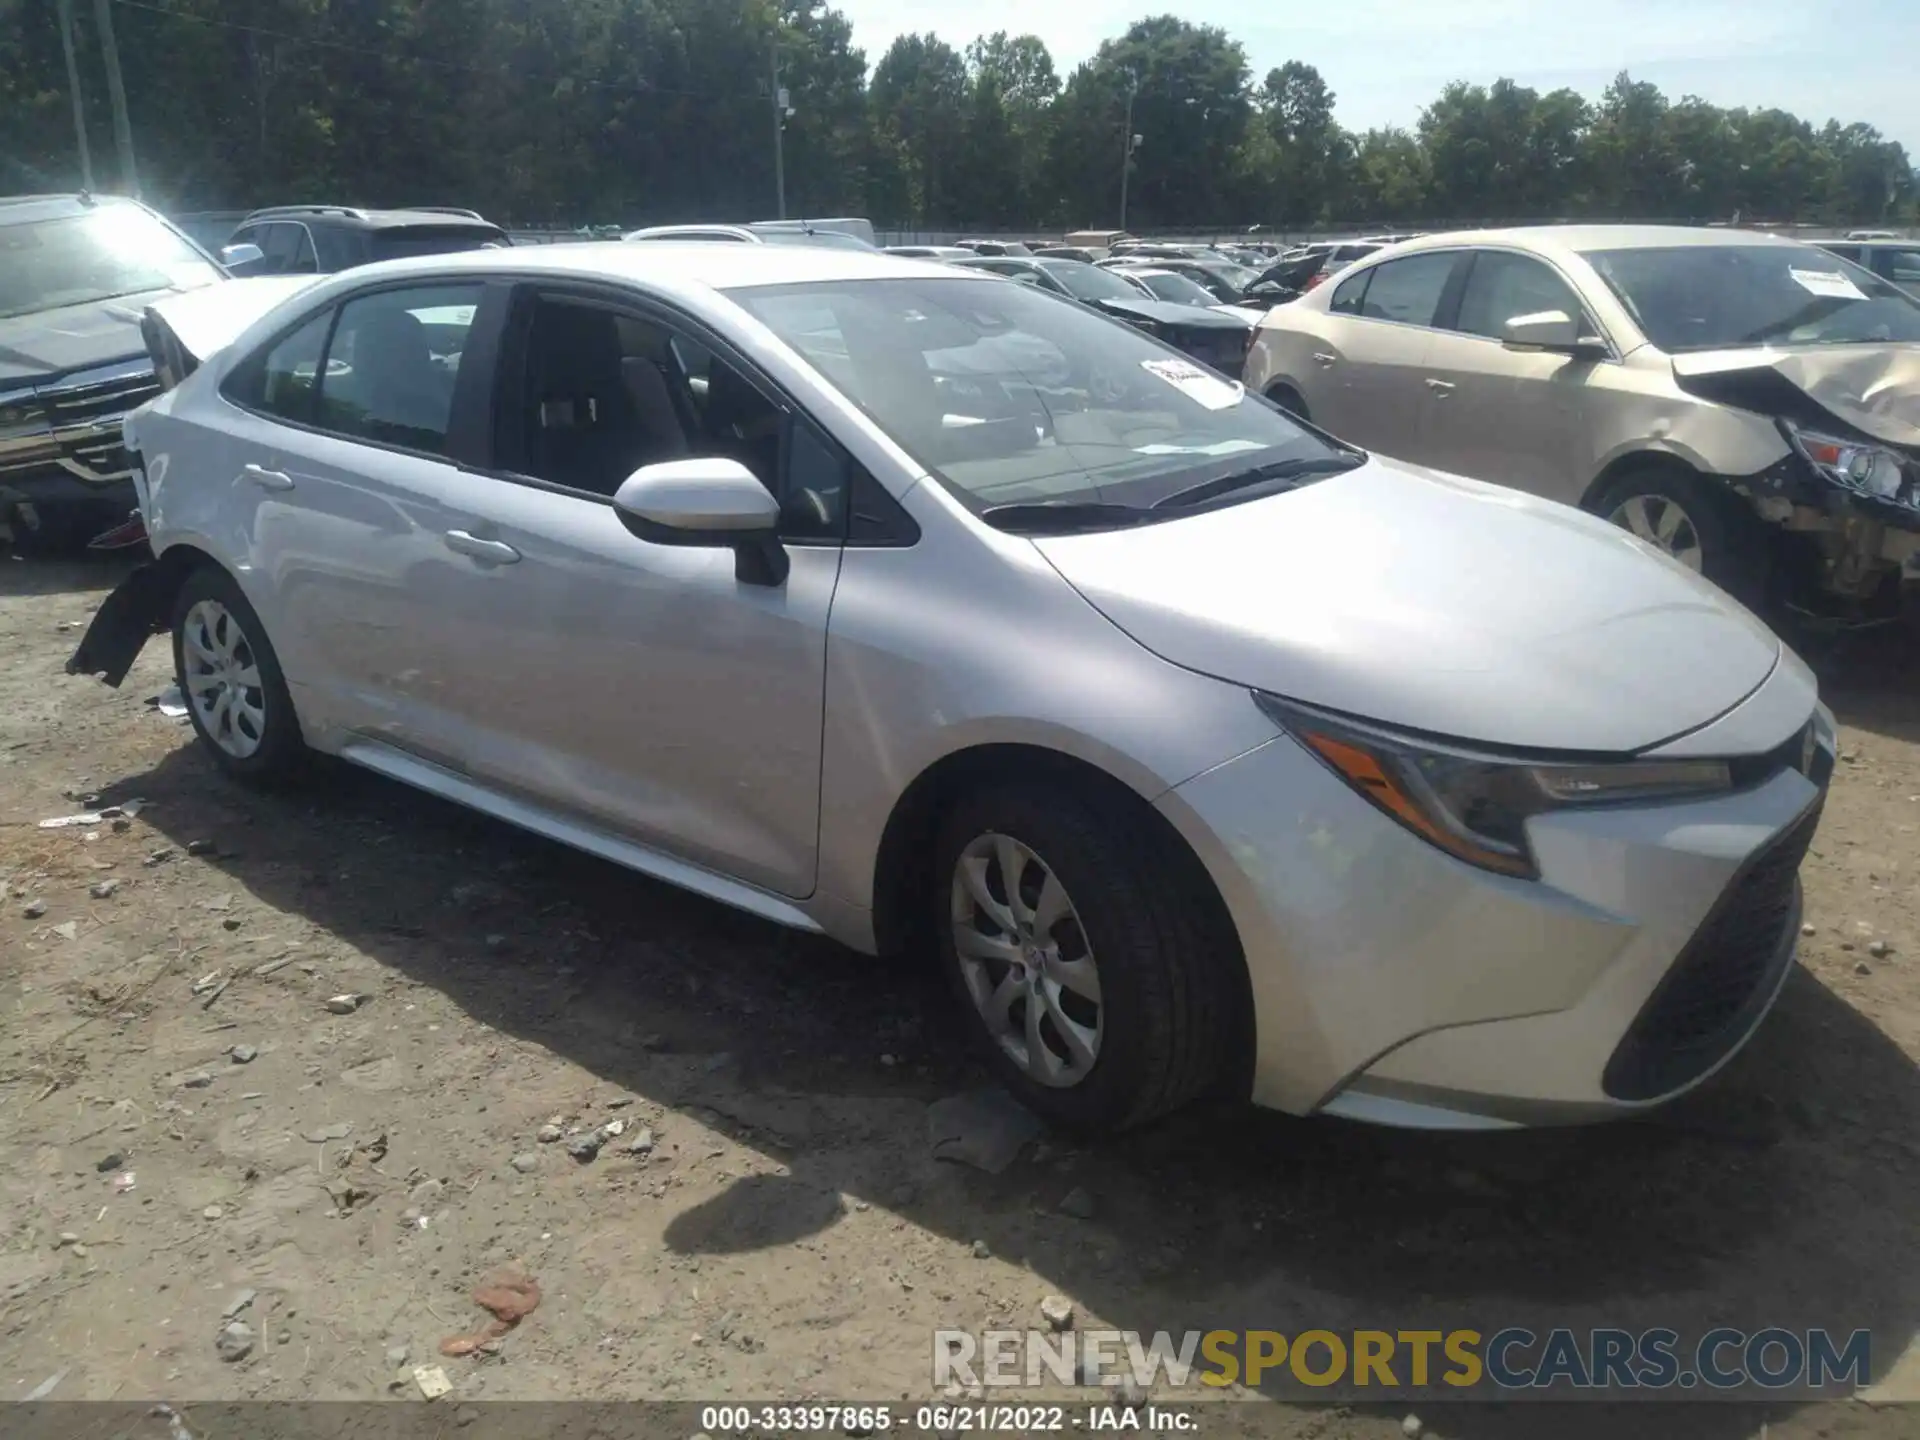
[[1872, 681], [1781, 1194], [82, 574]]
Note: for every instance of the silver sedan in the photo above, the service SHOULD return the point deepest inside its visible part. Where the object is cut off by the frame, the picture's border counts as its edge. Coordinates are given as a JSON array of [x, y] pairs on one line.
[[1204, 753]]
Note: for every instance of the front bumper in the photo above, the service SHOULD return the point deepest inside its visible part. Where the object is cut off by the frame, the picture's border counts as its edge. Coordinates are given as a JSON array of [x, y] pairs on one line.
[[1395, 984]]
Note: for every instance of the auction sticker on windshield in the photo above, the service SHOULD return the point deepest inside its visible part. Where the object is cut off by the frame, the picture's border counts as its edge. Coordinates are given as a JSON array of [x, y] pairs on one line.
[[1828, 283], [1196, 384]]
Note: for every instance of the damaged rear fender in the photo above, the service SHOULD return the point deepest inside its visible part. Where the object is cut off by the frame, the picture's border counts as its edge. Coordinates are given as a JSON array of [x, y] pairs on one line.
[[139, 607]]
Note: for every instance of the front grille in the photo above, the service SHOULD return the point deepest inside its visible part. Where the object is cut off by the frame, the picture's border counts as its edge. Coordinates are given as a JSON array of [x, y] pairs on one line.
[[1724, 978], [86, 418]]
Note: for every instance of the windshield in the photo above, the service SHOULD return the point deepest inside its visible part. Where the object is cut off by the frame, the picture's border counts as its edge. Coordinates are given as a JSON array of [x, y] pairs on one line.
[[1089, 282], [111, 251], [1237, 275], [1013, 396], [1718, 297], [1166, 285]]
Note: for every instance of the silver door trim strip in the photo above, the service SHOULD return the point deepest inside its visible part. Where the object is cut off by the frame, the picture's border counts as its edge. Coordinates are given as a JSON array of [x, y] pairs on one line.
[[464, 790]]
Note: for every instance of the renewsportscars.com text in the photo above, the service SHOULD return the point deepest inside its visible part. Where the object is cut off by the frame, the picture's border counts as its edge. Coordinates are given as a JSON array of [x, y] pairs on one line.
[[1380, 1362]]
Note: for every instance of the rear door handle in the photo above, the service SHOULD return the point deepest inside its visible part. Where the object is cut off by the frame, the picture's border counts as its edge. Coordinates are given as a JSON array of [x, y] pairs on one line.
[[1440, 388], [267, 479], [1324, 358], [494, 552]]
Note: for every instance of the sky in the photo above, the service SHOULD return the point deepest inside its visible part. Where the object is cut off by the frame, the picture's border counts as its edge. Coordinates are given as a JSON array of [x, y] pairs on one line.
[[1385, 59]]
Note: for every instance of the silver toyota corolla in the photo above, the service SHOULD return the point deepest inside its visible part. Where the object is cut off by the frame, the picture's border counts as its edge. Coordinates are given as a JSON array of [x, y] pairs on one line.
[[948, 618]]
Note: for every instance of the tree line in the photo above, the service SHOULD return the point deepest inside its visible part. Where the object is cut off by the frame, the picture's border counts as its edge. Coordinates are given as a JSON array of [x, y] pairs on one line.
[[631, 111]]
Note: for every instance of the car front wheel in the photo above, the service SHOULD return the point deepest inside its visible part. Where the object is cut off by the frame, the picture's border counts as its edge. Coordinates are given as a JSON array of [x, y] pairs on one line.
[[1678, 513], [1092, 978], [231, 682]]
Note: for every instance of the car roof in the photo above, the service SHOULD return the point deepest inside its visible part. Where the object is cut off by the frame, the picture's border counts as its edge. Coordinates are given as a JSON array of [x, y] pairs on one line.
[[355, 217], [21, 209], [675, 264], [1574, 239], [1873, 244]]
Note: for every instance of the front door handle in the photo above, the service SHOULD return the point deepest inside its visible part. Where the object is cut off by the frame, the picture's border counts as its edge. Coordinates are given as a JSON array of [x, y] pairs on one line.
[[1324, 358], [1441, 388], [267, 479], [494, 552]]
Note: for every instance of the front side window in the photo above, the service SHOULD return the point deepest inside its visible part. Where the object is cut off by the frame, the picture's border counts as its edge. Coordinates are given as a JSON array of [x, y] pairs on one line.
[[107, 253], [1408, 291], [280, 245], [1502, 286], [1723, 297], [603, 392], [1013, 398], [393, 363]]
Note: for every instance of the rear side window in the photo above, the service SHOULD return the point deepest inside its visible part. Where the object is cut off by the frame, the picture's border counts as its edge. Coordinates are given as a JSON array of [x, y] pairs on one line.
[[1349, 293], [284, 380], [1408, 291], [393, 363]]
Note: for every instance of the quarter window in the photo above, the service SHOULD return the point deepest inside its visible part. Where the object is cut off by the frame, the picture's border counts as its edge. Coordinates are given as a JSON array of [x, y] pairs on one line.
[[1349, 293], [1501, 286], [1408, 291], [393, 363], [284, 381]]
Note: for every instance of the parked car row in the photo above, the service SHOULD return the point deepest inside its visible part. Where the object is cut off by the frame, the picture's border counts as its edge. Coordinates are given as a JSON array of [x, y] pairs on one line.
[[1749, 405], [898, 601]]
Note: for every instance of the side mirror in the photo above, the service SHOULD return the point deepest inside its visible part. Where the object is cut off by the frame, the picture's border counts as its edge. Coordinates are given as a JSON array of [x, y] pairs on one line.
[[242, 259], [707, 503], [1551, 330]]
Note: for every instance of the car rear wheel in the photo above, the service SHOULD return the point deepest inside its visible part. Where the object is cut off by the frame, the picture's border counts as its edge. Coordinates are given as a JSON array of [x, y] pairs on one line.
[[1288, 399], [1677, 512], [1089, 973], [235, 694]]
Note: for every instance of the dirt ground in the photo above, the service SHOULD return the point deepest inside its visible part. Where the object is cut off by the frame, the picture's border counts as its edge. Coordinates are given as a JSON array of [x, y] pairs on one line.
[[790, 1233]]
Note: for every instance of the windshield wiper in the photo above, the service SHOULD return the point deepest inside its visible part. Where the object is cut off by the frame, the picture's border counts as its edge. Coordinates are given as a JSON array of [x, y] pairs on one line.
[[1062, 517], [1281, 472]]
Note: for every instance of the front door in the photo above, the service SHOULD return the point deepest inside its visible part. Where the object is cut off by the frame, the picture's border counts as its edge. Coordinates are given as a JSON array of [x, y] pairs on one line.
[[644, 687], [1514, 417]]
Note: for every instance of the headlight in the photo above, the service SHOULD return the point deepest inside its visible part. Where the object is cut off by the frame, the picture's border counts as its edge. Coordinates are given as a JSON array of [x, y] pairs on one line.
[[1476, 806], [1856, 464]]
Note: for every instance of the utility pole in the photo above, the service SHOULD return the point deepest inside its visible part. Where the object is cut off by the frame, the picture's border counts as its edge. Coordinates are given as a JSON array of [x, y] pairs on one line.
[[117, 92], [73, 88], [1130, 140], [779, 133]]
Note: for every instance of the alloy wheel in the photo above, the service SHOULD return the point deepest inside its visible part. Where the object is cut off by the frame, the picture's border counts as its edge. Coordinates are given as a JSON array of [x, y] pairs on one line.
[[222, 679], [1026, 960], [1663, 522]]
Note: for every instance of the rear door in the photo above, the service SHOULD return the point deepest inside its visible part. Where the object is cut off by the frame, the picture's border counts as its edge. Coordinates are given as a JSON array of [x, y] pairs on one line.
[[1364, 371], [1515, 417], [341, 447]]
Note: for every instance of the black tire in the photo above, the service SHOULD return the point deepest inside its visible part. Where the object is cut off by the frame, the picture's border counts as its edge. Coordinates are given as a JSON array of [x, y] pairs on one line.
[[279, 754], [1289, 400], [1171, 981], [1732, 545]]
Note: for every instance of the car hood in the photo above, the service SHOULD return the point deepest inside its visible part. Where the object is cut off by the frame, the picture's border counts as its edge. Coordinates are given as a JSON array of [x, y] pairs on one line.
[[205, 320], [1166, 312], [51, 343], [1873, 388], [1436, 604]]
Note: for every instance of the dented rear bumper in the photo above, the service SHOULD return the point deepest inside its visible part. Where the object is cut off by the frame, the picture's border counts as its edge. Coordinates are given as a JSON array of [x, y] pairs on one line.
[[139, 607]]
